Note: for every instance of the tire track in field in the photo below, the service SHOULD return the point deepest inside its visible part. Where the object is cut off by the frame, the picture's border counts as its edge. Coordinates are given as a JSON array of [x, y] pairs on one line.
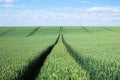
[[9, 30], [107, 29], [61, 29], [33, 32], [82, 62], [86, 30], [31, 71], [73, 54]]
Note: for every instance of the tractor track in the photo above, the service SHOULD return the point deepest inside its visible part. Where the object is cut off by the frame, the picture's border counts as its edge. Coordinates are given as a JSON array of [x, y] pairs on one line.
[[9, 30], [107, 29], [73, 54], [86, 30], [33, 32], [31, 71]]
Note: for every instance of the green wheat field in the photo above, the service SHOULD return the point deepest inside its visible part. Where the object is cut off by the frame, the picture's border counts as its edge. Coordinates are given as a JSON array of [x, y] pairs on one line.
[[60, 53]]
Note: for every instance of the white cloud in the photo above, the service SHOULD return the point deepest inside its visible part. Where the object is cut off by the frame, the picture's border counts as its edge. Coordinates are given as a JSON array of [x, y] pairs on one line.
[[92, 9], [65, 16], [7, 1], [85, 1], [103, 9], [7, 5]]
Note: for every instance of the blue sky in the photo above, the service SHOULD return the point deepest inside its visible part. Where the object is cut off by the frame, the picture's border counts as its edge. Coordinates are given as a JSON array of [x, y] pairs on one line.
[[60, 12]]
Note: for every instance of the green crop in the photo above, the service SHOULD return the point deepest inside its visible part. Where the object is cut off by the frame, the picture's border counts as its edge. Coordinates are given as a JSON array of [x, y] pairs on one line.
[[79, 53], [60, 65], [16, 50], [97, 50]]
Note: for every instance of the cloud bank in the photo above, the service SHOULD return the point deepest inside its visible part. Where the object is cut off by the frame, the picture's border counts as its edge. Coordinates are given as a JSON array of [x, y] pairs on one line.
[[7, 3], [69, 16]]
